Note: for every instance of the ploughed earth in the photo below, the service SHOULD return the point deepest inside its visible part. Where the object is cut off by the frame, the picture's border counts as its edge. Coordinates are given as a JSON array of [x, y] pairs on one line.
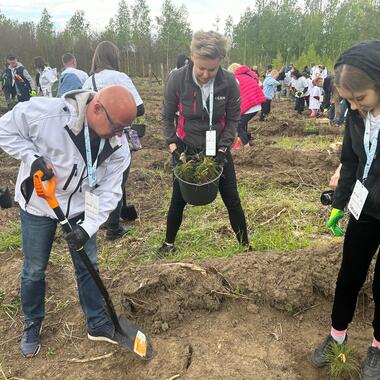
[[210, 313]]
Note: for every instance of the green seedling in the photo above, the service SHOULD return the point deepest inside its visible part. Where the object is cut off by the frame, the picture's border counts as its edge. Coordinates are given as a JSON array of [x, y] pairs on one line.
[[342, 362], [199, 169]]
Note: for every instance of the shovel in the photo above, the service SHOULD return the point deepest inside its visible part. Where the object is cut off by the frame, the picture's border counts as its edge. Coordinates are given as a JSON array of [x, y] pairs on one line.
[[127, 334]]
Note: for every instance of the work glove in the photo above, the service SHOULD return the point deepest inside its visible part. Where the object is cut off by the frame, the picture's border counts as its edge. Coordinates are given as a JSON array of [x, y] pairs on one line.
[[40, 164], [299, 94], [333, 223], [77, 238], [32, 93], [221, 158]]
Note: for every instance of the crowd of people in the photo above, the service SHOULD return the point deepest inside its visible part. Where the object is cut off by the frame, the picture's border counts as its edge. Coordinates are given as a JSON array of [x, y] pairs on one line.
[[79, 137]]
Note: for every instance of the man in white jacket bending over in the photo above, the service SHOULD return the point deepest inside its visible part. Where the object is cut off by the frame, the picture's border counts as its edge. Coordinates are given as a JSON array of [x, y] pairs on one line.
[[75, 138]]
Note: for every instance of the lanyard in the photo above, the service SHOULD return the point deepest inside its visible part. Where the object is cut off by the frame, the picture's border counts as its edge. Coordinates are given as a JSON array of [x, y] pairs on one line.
[[369, 151], [211, 101], [91, 168]]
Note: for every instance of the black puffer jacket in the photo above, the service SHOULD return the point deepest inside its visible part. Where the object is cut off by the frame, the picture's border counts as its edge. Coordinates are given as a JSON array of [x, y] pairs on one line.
[[365, 56]]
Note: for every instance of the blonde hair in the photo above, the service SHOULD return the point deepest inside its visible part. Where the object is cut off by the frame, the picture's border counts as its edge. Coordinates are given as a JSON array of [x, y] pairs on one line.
[[233, 67], [211, 45]]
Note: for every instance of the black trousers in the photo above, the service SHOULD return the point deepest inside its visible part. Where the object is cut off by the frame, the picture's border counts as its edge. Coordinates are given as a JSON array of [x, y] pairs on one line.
[[228, 191], [265, 109], [113, 221], [361, 242], [242, 128], [300, 104]]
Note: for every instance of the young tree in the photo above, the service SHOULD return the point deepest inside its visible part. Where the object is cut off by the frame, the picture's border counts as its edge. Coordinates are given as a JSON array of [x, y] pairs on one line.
[[174, 33], [45, 35]]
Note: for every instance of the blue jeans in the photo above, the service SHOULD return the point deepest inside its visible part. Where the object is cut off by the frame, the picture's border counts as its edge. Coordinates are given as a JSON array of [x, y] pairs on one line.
[[37, 238]]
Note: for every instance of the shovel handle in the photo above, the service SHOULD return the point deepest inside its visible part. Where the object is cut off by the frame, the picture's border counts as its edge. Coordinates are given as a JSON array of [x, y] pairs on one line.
[[48, 192]]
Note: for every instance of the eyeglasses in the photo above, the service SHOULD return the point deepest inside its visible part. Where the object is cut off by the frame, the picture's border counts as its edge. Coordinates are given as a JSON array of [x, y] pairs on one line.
[[114, 126]]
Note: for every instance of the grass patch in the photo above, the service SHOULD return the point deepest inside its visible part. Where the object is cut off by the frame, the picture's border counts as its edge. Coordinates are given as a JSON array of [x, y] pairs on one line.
[[311, 143], [10, 237], [9, 308], [279, 218], [342, 362]]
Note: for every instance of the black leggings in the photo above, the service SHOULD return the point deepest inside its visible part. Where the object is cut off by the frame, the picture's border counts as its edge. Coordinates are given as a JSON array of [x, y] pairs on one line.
[[242, 128], [361, 242], [300, 104], [230, 196]]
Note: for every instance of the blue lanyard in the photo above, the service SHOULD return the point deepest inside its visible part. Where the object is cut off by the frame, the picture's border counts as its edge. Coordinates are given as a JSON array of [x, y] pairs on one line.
[[211, 101], [369, 151], [91, 168]]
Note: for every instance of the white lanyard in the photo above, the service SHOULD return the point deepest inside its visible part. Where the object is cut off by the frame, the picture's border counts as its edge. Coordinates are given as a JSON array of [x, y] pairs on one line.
[[369, 151], [211, 101], [91, 168]]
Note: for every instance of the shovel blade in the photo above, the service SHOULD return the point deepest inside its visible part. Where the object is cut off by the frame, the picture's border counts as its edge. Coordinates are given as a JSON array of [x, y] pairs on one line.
[[133, 339]]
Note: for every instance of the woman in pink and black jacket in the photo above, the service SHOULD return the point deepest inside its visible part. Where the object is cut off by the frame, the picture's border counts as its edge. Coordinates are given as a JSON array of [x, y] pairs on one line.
[[252, 96]]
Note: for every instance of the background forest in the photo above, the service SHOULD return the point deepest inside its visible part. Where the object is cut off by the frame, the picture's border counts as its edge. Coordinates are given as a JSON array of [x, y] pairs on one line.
[[279, 32]]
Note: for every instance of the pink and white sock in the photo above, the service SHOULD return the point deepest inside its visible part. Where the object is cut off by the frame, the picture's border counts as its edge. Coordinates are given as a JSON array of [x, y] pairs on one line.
[[376, 343], [338, 335]]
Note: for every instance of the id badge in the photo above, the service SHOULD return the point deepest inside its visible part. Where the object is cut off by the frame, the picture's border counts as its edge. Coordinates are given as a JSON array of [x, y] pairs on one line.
[[91, 207], [210, 143], [358, 198]]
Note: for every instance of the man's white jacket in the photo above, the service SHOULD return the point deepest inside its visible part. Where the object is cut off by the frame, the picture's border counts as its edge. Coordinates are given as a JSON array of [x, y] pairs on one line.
[[50, 127]]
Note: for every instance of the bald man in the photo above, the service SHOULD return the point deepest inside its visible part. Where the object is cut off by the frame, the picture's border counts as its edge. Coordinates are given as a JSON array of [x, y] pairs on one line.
[[77, 139]]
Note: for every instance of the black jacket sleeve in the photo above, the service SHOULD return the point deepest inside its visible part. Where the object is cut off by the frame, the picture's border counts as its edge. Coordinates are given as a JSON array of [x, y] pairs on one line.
[[348, 171]]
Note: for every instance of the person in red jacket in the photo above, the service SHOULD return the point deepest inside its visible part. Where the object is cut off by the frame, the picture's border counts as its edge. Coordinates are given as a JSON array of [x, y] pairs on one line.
[[252, 96]]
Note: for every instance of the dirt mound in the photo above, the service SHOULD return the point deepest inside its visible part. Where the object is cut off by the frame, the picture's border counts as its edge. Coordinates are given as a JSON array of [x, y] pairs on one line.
[[160, 296], [164, 294]]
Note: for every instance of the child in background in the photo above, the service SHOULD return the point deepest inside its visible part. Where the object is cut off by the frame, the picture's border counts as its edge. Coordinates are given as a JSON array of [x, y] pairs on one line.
[[270, 85], [309, 86], [315, 96], [300, 85]]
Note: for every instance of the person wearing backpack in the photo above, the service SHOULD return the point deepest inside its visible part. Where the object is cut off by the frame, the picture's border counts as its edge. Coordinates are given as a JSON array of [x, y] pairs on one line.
[[17, 80], [106, 72]]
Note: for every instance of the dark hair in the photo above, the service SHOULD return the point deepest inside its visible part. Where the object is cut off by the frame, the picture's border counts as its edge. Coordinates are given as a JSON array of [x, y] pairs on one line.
[[296, 73], [182, 60], [106, 56], [67, 57], [39, 63]]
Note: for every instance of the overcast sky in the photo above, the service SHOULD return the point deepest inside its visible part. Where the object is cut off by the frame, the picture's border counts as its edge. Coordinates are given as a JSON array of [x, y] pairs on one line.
[[203, 13]]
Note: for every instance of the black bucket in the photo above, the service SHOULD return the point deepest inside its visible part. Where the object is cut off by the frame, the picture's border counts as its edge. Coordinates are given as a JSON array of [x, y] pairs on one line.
[[5, 198], [199, 194]]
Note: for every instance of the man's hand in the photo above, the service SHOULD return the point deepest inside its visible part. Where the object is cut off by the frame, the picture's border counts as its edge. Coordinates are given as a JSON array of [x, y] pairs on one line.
[[176, 154], [40, 164], [221, 158], [333, 223], [77, 238]]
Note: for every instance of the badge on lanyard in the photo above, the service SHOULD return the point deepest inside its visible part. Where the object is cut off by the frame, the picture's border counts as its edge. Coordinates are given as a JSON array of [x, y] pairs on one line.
[[211, 133], [91, 207], [360, 193], [211, 143], [357, 200]]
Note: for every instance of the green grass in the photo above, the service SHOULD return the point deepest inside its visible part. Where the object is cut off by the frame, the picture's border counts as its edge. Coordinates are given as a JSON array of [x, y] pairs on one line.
[[342, 362], [10, 237], [279, 218], [9, 308], [311, 143]]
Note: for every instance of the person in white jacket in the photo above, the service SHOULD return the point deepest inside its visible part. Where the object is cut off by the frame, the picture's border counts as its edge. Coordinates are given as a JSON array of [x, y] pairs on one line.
[[46, 77], [77, 139]]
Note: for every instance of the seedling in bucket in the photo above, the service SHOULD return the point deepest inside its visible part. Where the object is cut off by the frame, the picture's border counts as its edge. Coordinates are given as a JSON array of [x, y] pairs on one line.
[[198, 179]]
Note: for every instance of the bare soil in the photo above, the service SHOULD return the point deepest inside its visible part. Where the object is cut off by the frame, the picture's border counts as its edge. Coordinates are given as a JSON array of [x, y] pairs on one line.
[[256, 315]]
